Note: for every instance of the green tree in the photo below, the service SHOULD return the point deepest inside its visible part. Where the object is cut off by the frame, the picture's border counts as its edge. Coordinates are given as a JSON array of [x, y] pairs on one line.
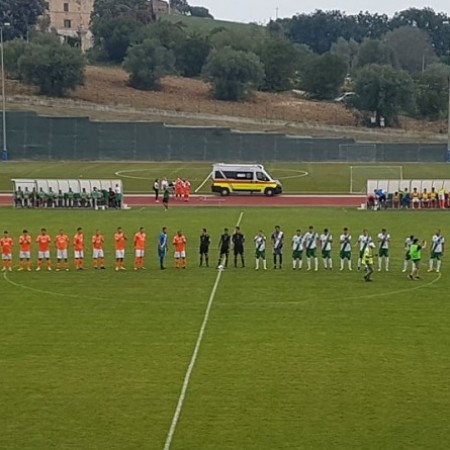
[[191, 54], [147, 63], [181, 6], [324, 76], [114, 36], [13, 50], [373, 51], [347, 50], [383, 90], [139, 10], [279, 58], [55, 69], [432, 91], [246, 39], [21, 15], [200, 11], [233, 73], [412, 48]]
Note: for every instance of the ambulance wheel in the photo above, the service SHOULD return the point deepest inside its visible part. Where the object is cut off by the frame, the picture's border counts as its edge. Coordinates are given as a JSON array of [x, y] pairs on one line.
[[224, 192], [269, 192]]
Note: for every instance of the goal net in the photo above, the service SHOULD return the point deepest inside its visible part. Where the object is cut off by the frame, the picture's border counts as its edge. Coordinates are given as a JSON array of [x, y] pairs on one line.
[[360, 174]]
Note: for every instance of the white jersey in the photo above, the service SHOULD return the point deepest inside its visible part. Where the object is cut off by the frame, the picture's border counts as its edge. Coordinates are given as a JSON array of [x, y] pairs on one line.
[[164, 185], [297, 243], [310, 240], [383, 240], [364, 241], [325, 241], [345, 241], [260, 243], [437, 244]]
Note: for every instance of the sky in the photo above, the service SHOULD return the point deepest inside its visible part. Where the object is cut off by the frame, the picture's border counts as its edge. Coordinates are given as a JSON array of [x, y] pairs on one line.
[[261, 11]]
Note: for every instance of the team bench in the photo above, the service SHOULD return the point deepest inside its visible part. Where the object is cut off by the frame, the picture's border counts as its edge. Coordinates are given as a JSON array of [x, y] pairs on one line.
[[67, 193]]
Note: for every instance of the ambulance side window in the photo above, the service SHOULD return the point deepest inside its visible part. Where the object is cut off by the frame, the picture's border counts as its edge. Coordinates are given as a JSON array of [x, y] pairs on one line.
[[218, 175], [260, 176]]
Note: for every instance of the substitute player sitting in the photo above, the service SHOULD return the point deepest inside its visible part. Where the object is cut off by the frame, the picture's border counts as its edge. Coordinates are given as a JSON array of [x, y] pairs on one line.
[[139, 249], [6, 243], [62, 245], [98, 254], [179, 244]]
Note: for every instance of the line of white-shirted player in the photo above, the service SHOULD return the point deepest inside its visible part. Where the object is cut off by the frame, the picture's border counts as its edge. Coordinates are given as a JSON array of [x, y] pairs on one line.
[[305, 246]]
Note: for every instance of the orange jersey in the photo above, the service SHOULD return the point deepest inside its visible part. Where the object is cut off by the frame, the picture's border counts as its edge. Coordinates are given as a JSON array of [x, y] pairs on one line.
[[25, 242], [179, 243], [6, 243], [62, 241], [78, 242], [97, 241], [139, 241], [120, 239], [44, 242]]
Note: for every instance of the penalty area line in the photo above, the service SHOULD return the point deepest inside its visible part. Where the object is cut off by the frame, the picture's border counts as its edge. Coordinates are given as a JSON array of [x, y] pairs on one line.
[[187, 377]]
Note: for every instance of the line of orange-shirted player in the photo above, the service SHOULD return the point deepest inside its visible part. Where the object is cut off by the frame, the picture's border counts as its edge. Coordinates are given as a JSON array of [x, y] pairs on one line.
[[62, 243]]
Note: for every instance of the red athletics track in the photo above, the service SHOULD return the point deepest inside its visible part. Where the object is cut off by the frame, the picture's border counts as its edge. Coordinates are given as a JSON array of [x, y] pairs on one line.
[[240, 200]]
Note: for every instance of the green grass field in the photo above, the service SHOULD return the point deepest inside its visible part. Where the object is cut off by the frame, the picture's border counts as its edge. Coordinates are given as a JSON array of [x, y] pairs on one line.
[[289, 360], [296, 177]]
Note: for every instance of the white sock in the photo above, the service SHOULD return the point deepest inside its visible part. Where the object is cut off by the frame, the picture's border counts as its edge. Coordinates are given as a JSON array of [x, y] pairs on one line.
[[316, 263], [300, 263], [387, 263], [308, 263], [325, 263], [438, 265], [342, 264], [349, 265], [294, 263], [265, 264], [405, 264], [431, 264], [359, 262], [330, 263], [379, 263], [257, 263]]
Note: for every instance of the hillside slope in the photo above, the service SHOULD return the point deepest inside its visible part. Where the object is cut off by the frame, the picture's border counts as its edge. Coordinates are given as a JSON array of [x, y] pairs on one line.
[[107, 96]]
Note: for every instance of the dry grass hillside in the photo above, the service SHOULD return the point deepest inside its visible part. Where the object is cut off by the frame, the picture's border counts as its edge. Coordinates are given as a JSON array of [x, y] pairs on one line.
[[106, 90]]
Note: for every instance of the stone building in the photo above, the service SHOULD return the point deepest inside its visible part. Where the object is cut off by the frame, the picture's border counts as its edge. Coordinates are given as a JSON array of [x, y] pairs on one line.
[[71, 18]]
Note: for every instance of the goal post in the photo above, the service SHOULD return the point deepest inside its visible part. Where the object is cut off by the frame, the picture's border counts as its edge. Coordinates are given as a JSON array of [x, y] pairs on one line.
[[360, 174]]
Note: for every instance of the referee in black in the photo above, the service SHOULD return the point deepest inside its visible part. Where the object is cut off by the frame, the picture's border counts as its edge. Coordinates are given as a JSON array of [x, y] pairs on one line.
[[238, 246], [204, 247]]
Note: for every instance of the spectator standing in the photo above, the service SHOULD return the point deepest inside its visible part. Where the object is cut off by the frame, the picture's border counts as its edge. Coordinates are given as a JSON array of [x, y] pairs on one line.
[[156, 189]]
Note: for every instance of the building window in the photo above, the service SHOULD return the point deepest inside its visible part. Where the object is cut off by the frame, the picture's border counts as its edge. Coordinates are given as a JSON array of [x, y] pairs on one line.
[[67, 23], [47, 6], [66, 8]]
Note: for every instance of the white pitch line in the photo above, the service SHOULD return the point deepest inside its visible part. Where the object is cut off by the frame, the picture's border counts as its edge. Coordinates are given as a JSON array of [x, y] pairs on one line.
[[203, 183], [187, 377]]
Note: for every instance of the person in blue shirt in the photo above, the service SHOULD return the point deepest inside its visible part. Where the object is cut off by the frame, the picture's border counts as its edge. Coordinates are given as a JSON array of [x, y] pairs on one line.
[[162, 247]]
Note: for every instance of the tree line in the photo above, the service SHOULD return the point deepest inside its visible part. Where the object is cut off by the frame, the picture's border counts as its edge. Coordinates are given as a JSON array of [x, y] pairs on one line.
[[391, 65]]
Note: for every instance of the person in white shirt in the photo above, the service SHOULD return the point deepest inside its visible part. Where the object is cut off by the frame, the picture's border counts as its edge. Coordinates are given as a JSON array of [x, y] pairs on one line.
[[326, 240], [383, 249], [297, 250], [437, 250], [260, 249], [345, 253], [310, 242]]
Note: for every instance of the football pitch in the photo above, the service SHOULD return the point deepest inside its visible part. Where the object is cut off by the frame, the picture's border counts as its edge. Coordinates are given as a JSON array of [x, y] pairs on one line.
[[288, 359], [296, 178]]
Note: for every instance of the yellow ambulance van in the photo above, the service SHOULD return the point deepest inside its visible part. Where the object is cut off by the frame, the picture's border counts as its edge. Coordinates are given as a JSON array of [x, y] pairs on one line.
[[243, 178]]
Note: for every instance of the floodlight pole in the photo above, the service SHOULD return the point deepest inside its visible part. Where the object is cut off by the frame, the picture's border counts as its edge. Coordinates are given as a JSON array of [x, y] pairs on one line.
[[4, 151], [448, 123]]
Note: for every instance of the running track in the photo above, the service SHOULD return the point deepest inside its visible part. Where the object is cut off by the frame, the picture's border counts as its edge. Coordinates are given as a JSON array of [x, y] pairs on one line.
[[240, 200]]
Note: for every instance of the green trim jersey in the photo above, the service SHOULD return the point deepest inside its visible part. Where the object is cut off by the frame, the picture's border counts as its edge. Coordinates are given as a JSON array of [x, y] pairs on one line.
[[325, 241], [363, 242], [310, 240], [260, 243], [346, 242], [297, 243], [383, 240], [437, 244]]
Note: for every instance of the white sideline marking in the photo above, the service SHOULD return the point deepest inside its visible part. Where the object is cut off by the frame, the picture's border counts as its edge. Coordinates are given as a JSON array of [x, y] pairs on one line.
[[203, 183], [190, 368]]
